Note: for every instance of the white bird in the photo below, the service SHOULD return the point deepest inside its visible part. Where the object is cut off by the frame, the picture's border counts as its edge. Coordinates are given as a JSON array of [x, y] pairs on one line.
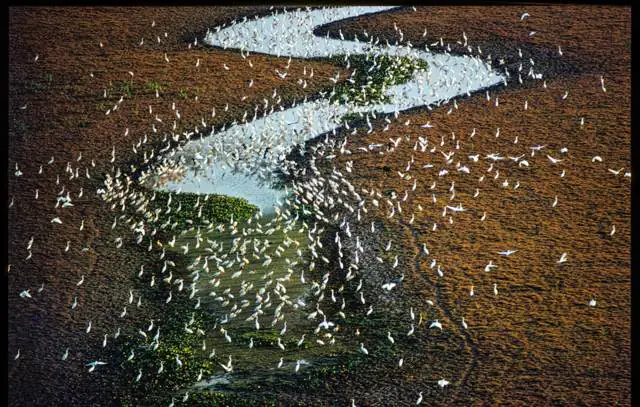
[[489, 266], [555, 202], [613, 230], [25, 294], [507, 253], [301, 340], [464, 324], [495, 289], [363, 349], [56, 220], [592, 303], [419, 399], [554, 160], [17, 355], [94, 364], [66, 354], [436, 324], [523, 16], [443, 382], [388, 286], [228, 367], [563, 258]]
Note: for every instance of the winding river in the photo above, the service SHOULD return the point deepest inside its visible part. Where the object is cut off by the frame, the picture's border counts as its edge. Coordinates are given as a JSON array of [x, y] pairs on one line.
[[246, 155]]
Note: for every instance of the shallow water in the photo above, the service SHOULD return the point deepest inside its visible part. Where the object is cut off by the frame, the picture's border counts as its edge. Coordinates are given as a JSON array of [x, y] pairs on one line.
[[261, 361], [247, 154]]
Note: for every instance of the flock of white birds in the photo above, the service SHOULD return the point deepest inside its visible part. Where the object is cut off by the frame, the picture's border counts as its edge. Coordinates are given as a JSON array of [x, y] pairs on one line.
[[321, 199]]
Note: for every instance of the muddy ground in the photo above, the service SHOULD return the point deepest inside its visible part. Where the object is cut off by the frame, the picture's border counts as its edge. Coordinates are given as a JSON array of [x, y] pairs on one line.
[[65, 116], [536, 343]]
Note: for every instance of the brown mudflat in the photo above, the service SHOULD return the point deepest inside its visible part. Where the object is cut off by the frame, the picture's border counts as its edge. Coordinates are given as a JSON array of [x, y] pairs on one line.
[[65, 116], [536, 343]]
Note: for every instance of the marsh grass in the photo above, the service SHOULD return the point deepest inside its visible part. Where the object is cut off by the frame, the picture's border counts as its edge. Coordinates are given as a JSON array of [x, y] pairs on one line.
[[373, 76], [189, 208]]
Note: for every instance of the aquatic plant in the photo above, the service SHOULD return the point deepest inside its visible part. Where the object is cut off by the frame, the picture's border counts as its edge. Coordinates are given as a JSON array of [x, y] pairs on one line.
[[178, 337], [187, 208], [373, 76]]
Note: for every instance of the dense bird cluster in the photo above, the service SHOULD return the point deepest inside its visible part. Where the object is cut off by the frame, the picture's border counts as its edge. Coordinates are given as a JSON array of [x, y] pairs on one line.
[[301, 269]]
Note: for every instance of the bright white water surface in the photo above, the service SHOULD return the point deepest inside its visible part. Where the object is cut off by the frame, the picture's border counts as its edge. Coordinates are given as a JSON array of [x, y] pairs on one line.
[[246, 154]]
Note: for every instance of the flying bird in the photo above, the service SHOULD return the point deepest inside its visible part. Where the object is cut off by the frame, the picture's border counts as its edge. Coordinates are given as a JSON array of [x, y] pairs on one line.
[[563, 258]]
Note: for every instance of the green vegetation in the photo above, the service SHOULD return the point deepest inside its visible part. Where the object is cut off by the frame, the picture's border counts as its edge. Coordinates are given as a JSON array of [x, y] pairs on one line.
[[125, 88], [183, 94], [174, 341], [186, 208], [270, 339], [218, 398], [153, 86], [102, 107], [373, 76], [351, 117]]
